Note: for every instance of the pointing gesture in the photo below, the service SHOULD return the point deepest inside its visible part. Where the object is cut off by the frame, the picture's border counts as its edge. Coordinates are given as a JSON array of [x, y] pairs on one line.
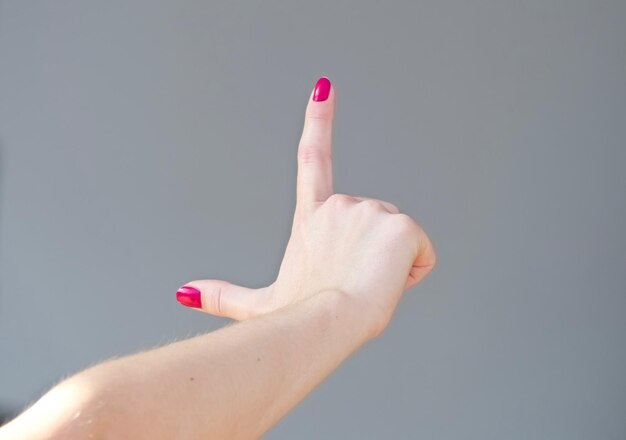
[[315, 174], [360, 246]]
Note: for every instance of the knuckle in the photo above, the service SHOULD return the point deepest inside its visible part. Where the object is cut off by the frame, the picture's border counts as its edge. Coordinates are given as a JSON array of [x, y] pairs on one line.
[[405, 224], [309, 153], [393, 207], [339, 199], [371, 204], [378, 205]]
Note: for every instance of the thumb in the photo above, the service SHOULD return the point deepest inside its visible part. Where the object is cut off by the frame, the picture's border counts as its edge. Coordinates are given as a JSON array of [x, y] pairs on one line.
[[221, 298]]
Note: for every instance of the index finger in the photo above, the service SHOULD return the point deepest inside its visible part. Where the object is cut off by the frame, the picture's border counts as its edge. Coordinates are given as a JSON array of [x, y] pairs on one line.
[[315, 175]]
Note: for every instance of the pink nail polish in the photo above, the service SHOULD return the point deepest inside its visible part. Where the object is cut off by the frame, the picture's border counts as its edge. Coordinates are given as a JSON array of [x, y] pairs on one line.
[[322, 89], [189, 296]]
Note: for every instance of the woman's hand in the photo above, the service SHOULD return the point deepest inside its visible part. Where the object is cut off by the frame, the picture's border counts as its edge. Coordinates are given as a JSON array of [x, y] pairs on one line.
[[347, 263], [360, 246]]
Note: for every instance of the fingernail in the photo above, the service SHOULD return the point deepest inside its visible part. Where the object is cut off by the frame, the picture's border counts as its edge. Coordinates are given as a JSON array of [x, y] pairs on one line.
[[189, 296], [322, 89]]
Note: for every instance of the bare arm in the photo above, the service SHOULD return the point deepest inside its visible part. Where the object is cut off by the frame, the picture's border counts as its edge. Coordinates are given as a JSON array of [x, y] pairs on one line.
[[236, 382]]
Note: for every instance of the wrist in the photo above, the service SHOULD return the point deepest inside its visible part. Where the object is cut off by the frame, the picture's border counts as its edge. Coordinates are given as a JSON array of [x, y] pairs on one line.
[[364, 320]]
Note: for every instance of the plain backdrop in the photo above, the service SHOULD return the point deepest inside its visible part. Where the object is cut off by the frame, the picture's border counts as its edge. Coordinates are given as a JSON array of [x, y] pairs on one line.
[[147, 143]]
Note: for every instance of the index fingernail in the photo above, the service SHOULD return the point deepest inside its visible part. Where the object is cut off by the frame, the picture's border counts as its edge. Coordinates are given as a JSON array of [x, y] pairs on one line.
[[322, 89]]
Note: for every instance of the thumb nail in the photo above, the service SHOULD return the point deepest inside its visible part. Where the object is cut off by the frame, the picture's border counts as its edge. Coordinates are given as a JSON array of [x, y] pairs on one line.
[[189, 296]]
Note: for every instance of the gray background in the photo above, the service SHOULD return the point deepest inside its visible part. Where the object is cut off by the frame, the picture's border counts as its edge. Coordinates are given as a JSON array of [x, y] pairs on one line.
[[145, 144]]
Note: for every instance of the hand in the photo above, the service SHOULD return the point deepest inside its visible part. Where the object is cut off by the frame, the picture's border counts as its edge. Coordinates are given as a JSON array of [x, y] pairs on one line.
[[360, 246]]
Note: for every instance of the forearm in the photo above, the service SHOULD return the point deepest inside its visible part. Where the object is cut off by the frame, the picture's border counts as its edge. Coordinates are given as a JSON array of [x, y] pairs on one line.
[[235, 382]]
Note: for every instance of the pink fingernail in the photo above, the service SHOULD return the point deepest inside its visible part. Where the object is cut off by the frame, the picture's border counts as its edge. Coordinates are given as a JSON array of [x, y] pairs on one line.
[[189, 296], [322, 89]]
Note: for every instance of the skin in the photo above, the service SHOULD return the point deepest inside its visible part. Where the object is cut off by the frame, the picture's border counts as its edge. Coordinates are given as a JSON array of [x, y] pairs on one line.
[[347, 263]]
